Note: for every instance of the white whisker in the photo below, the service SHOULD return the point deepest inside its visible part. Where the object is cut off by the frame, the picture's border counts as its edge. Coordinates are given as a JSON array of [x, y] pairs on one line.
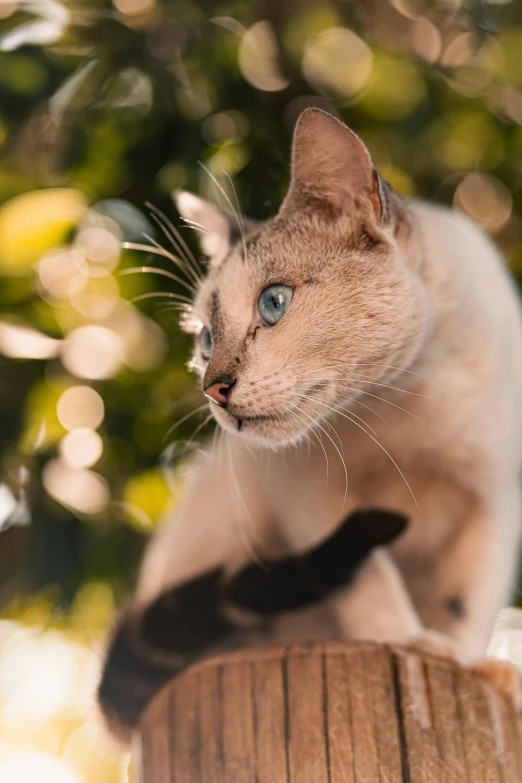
[[153, 271], [229, 202], [184, 418], [158, 295], [177, 241], [337, 409], [335, 447], [242, 529]]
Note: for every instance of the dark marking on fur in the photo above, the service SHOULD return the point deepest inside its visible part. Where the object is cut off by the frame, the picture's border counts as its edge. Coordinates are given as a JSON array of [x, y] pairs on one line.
[[132, 674], [455, 606], [195, 608], [237, 359], [147, 650], [216, 320], [301, 580]]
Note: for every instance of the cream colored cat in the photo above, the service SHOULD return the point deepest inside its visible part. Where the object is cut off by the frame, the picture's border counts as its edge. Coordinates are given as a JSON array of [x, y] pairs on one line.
[[357, 350]]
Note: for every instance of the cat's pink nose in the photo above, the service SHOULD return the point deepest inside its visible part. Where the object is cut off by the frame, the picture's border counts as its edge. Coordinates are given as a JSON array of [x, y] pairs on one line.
[[218, 392]]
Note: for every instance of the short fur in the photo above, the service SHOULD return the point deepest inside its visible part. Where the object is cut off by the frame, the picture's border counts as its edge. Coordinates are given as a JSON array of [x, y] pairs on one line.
[[401, 310]]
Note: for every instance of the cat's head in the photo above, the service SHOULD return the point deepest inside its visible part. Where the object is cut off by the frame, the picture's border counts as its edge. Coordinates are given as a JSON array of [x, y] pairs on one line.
[[307, 309]]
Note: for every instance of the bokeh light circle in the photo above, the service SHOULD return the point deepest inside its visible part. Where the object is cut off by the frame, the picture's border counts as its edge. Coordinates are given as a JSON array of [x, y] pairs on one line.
[[337, 61], [80, 490], [257, 58], [81, 448], [93, 352], [26, 766], [485, 199], [80, 406]]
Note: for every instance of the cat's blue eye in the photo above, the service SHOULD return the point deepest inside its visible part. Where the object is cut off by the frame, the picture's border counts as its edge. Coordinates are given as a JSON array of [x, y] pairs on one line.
[[205, 343], [273, 303]]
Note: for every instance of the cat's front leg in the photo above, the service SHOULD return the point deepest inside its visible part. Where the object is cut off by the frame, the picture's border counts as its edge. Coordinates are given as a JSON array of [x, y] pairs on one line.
[[377, 605], [475, 573]]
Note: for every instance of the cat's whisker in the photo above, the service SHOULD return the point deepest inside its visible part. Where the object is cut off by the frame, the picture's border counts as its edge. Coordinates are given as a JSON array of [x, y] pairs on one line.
[[158, 250], [198, 429], [242, 529], [382, 399], [153, 271], [368, 379], [175, 307], [188, 444], [337, 409], [187, 416], [340, 382], [368, 407], [179, 244], [225, 195], [351, 365], [176, 260], [239, 214], [313, 432], [181, 402], [328, 423], [159, 295], [184, 264], [196, 226], [363, 429], [411, 372], [316, 423]]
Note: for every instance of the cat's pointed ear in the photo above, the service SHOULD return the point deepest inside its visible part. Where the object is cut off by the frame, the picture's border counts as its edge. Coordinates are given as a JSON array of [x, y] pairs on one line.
[[331, 166], [217, 231]]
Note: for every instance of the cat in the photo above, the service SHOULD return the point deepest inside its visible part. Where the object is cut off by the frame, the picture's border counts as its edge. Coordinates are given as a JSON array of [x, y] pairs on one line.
[[357, 350]]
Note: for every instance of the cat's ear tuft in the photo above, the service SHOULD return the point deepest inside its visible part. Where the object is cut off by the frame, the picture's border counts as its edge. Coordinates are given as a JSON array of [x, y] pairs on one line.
[[332, 166], [217, 231]]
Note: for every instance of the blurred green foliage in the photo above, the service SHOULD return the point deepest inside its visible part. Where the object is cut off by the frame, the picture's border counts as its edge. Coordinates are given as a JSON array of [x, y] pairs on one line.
[[105, 106]]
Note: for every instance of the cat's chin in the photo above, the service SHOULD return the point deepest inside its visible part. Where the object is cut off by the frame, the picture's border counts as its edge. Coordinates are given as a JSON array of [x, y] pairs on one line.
[[272, 432]]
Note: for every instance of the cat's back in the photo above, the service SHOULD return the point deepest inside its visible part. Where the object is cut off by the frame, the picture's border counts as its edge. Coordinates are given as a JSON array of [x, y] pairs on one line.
[[466, 272], [477, 334]]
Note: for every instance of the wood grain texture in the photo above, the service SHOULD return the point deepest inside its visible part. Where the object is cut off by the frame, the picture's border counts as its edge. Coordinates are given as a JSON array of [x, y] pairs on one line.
[[329, 713]]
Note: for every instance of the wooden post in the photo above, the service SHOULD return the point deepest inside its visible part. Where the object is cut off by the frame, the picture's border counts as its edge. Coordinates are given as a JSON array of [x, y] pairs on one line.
[[329, 713]]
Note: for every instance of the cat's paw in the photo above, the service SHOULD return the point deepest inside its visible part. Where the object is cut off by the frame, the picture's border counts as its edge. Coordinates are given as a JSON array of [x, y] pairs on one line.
[[436, 643], [503, 676]]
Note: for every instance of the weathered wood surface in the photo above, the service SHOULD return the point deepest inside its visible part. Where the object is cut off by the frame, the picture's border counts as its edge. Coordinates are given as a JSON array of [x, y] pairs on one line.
[[329, 713]]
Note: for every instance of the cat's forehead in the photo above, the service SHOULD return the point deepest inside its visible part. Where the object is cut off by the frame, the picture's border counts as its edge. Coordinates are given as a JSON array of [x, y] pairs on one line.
[[276, 251]]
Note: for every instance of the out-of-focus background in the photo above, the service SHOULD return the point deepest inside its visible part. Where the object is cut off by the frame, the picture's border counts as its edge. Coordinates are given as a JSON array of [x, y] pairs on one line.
[[105, 109]]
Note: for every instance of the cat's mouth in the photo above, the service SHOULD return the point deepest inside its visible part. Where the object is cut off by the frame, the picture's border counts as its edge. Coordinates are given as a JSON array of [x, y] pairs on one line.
[[273, 426], [242, 420]]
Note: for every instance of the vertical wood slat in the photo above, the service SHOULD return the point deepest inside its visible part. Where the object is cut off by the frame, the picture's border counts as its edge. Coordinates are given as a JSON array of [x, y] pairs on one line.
[[329, 713]]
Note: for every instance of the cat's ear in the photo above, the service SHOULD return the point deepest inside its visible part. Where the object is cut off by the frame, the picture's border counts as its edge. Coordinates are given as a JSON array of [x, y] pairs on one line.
[[332, 167], [217, 231]]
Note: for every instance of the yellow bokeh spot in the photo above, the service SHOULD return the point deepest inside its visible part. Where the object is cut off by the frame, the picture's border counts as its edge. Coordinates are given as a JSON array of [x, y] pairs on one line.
[[308, 23], [398, 179], [42, 428], [33, 223], [147, 497], [501, 54], [338, 62], [467, 141], [395, 91]]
